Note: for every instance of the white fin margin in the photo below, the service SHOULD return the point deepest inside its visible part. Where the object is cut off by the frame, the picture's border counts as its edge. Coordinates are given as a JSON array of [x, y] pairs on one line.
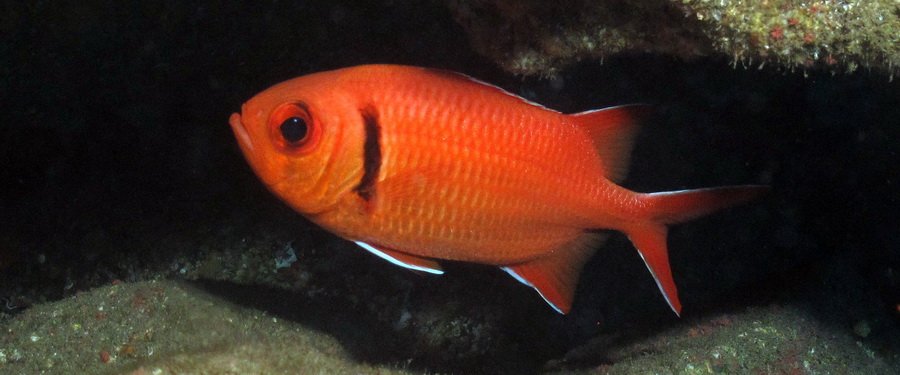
[[659, 285], [526, 282], [504, 91], [396, 261]]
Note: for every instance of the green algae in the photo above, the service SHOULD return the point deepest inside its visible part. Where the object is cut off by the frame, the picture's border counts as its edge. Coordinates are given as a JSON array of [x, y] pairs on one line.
[[540, 38], [839, 35]]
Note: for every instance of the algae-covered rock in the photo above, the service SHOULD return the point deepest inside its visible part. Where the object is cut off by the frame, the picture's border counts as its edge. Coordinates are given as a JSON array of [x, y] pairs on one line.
[[168, 327], [165, 327], [771, 340], [541, 37]]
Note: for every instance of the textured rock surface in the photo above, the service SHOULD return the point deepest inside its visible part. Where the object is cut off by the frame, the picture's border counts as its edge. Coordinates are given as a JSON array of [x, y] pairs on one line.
[[540, 37], [771, 340], [164, 327]]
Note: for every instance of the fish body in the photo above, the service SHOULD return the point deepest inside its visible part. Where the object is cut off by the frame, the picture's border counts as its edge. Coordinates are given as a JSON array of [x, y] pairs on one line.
[[419, 165]]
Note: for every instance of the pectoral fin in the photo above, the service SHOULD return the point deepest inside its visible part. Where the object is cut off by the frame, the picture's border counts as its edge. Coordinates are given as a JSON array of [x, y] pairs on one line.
[[403, 259]]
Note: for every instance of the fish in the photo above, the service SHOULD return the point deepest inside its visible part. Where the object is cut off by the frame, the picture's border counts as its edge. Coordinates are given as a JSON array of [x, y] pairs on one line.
[[419, 165]]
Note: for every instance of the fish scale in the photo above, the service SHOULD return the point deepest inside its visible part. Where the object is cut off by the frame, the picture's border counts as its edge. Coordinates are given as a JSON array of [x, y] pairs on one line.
[[419, 165], [478, 154]]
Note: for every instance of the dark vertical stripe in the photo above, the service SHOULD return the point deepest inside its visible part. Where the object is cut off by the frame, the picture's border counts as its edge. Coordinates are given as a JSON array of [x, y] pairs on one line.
[[371, 154]]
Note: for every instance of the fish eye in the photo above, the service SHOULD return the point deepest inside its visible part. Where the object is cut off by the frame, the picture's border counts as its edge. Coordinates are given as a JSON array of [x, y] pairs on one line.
[[293, 128]]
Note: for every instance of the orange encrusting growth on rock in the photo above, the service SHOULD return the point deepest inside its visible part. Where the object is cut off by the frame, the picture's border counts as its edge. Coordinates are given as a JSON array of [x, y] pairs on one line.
[[419, 165]]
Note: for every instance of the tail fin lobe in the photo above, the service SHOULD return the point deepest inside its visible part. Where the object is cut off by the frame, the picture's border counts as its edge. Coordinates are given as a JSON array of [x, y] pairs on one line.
[[665, 208], [671, 207], [650, 241]]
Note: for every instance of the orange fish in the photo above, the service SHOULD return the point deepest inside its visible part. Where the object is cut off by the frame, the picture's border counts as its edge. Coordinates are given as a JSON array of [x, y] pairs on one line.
[[418, 165]]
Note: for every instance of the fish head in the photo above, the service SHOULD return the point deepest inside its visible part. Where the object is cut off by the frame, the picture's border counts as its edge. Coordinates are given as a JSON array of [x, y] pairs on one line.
[[295, 137]]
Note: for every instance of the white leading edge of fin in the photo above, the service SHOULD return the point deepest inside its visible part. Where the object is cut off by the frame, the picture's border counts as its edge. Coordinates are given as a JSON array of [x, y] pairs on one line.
[[605, 109], [523, 281], [395, 261], [504, 91], [658, 284]]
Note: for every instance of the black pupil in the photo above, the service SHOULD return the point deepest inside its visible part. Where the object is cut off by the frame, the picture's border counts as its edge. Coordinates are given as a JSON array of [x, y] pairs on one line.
[[293, 129]]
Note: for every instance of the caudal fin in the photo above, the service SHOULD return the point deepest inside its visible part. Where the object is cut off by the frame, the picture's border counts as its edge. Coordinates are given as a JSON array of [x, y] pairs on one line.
[[671, 207], [665, 208]]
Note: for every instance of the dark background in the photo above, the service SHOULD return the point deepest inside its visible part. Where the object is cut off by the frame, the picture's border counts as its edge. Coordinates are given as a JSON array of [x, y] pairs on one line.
[[114, 148]]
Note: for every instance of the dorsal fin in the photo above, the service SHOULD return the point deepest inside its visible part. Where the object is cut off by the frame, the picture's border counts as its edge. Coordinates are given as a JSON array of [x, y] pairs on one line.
[[469, 79], [613, 131], [555, 276]]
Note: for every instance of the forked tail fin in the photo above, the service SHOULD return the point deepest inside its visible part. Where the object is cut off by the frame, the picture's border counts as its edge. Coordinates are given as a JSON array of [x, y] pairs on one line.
[[665, 208], [672, 207]]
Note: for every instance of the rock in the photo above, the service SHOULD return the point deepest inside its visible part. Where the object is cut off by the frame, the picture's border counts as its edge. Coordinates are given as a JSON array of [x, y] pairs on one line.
[[773, 340], [165, 327], [535, 37]]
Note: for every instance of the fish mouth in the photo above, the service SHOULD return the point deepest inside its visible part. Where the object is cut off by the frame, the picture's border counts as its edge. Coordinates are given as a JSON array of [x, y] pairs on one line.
[[240, 131]]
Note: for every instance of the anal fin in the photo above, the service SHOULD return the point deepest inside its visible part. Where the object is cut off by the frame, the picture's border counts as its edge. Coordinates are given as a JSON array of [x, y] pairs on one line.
[[403, 259], [555, 275]]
